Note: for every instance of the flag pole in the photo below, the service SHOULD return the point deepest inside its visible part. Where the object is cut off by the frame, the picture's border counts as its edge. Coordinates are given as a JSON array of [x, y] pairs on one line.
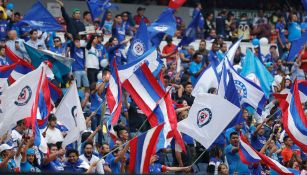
[[199, 157]]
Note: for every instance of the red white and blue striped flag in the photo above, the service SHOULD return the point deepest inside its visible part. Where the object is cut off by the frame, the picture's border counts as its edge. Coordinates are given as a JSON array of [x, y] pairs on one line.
[[5, 72]]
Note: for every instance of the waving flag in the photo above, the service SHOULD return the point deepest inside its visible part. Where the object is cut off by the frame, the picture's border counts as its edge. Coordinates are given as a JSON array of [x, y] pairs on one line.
[[227, 89], [17, 100], [44, 105], [190, 33], [97, 7], [114, 96], [248, 156], [297, 46], [164, 25], [175, 4], [151, 57], [294, 119], [5, 72], [249, 93], [206, 80], [141, 150], [70, 114], [140, 43], [253, 65], [39, 17], [153, 101], [58, 68], [206, 120], [22, 67]]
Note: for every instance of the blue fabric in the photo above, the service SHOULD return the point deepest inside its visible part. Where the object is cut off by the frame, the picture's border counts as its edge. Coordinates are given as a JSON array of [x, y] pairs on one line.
[[115, 166], [78, 55], [294, 31], [74, 167], [234, 162], [281, 31], [194, 68], [96, 101], [27, 167], [155, 168], [187, 139], [213, 58], [258, 142], [101, 51], [54, 166], [189, 34], [3, 29], [10, 166]]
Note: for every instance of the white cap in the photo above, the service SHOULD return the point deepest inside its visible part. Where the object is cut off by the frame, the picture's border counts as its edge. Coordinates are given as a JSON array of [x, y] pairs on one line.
[[4, 147]]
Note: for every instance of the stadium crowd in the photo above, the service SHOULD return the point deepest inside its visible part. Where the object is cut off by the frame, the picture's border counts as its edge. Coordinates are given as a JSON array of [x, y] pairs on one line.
[[91, 72]]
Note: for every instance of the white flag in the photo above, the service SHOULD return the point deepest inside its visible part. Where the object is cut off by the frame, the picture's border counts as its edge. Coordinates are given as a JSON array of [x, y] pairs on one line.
[[208, 117], [207, 79], [70, 114], [17, 100]]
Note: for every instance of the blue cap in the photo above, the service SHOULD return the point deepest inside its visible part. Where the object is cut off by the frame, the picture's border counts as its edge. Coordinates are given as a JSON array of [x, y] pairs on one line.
[[30, 151]]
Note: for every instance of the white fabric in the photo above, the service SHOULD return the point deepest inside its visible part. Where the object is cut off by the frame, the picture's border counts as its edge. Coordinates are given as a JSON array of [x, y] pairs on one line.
[[91, 58], [54, 135], [207, 133], [99, 168], [17, 100]]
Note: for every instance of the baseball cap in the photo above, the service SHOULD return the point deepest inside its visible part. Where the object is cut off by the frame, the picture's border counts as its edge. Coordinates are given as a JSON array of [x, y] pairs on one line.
[[30, 151], [4, 147], [76, 10]]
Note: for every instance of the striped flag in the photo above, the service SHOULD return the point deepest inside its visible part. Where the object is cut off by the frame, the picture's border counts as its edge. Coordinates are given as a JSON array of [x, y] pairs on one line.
[[5, 72], [141, 150], [248, 156]]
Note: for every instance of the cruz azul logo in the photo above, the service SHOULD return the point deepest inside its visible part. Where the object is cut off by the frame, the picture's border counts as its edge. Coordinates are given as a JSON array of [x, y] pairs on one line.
[[204, 116], [24, 96], [161, 28], [242, 91], [138, 48]]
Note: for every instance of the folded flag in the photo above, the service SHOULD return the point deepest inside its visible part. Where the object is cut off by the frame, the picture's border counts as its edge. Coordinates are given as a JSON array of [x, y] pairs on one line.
[[164, 25], [70, 114], [252, 67], [151, 57], [140, 43], [38, 17], [206, 121], [297, 46], [190, 33], [37, 57], [206, 80], [248, 156], [5, 72], [141, 150], [17, 100]]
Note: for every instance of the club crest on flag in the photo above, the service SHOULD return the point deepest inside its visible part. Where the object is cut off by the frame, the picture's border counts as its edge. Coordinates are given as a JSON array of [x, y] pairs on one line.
[[204, 116], [74, 114], [138, 48], [242, 91], [161, 28], [24, 96]]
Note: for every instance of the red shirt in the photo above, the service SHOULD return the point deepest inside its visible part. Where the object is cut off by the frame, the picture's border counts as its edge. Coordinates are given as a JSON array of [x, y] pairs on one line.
[[168, 49], [138, 19], [304, 58]]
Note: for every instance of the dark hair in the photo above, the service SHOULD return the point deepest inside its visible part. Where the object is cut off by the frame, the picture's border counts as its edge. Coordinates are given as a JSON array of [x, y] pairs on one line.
[[119, 128], [56, 37], [86, 13], [211, 90], [20, 122], [186, 84], [32, 31], [118, 15], [85, 136], [196, 54], [17, 14], [72, 151], [286, 138], [52, 117], [88, 143], [215, 151], [50, 145], [233, 133]]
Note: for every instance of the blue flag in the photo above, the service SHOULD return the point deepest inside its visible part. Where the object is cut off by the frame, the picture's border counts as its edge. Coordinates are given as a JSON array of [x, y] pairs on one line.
[[38, 17], [190, 33], [304, 2], [97, 7], [296, 47], [252, 68], [228, 90], [140, 43], [58, 68], [164, 25]]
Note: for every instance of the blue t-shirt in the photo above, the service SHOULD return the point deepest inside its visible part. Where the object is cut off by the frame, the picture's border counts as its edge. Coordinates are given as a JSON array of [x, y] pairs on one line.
[[3, 29], [194, 68], [213, 58], [96, 100], [108, 27], [101, 51], [74, 167], [304, 26], [11, 165], [294, 31], [27, 167], [119, 32], [281, 31], [258, 142], [54, 166], [155, 168], [78, 55], [115, 166], [235, 164]]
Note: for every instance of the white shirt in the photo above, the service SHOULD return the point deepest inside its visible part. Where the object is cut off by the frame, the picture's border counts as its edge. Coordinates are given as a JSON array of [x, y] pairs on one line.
[[99, 168], [91, 58], [16, 137], [54, 135]]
